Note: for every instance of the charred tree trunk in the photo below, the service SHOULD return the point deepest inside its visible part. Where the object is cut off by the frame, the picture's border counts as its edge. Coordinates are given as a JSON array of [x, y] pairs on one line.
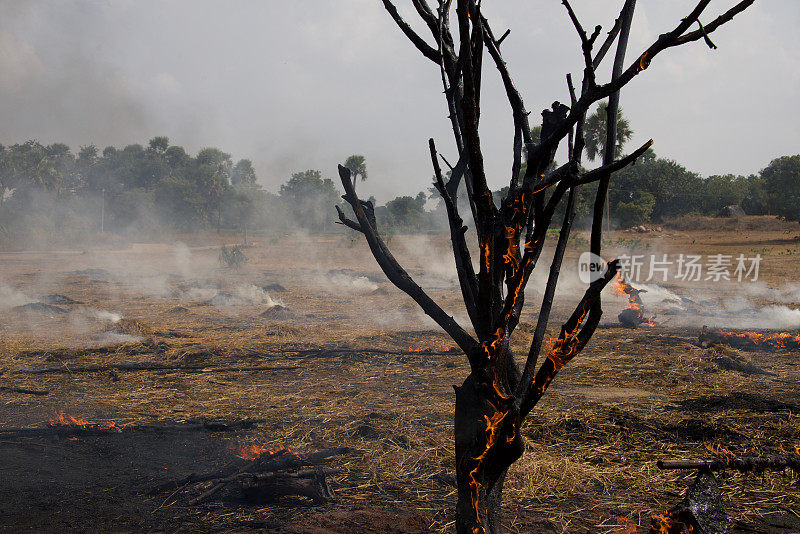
[[487, 443]]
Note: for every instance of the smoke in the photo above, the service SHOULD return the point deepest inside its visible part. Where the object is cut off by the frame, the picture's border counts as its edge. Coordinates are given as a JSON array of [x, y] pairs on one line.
[[114, 338], [183, 259], [59, 321], [430, 259], [254, 295], [11, 298], [342, 283], [733, 307], [100, 315], [787, 293]]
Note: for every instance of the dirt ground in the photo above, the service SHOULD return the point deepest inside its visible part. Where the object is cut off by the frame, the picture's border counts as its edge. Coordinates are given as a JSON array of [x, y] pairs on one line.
[[348, 360]]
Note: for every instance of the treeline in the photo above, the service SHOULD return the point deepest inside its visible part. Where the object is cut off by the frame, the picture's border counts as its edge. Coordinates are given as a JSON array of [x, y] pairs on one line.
[[657, 189], [654, 190], [49, 193]]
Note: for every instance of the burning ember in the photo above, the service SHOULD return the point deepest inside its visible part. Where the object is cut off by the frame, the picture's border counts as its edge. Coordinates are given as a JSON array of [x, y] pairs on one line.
[[667, 524], [253, 452], [65, 420], [721, 452], [633, 315], [751, 339], [625, 526], [438, 348]]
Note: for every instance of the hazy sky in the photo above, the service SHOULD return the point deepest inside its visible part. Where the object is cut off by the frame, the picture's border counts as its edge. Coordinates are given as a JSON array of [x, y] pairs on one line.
[[303, 84]]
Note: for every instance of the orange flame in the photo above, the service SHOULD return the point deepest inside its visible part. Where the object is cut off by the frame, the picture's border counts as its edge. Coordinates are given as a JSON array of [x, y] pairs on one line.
[[620, 287], [253, 452], [778, 340], [721, 452], [478, 491], [485, 253], [437, 348], [623, 288], [625, 526], [62, 419], [663, 524], [643, 62]]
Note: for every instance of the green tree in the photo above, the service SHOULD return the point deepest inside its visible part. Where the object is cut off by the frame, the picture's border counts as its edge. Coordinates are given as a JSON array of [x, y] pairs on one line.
[[723, 190], [177, 159], [30, 165], [595, 132], [179, 203], [755, 201], [358, 167], [782, 186], [308, 198], [218, 160], [676, 190], [211, 176], [636, 211], [243, 172], [407, 212], [159, 144]]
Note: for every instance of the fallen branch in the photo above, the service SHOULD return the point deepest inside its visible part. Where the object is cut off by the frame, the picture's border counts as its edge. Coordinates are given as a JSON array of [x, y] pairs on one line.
[[25, 390], [266, 468], [770, 462], [271, 486]]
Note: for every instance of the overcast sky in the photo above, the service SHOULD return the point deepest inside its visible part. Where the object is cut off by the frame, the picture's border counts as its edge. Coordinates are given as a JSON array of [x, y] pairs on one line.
[[303, 84]]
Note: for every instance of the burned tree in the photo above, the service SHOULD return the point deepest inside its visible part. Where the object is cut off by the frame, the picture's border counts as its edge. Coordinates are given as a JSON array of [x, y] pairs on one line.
[[498, 394]]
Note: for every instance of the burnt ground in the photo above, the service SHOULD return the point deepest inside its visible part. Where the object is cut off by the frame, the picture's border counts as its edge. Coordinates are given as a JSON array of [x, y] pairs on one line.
[[351, 364]]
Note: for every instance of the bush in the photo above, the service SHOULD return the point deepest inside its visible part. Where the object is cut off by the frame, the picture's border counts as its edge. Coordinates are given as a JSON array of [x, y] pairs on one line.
[[637, 211]]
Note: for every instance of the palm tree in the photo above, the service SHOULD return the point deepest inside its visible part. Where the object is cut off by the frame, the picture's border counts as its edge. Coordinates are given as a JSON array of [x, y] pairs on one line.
[[358, 167], [595, 132]]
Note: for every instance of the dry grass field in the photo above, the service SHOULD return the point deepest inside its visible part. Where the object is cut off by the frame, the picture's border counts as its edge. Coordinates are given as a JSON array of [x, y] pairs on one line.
[[347, 360]]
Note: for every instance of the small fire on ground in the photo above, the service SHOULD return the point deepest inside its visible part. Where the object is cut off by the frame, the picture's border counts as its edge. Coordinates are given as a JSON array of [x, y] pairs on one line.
[[253, 452], [633, 315], [668, 524], [752, 339], [437, 348], [62, 419]]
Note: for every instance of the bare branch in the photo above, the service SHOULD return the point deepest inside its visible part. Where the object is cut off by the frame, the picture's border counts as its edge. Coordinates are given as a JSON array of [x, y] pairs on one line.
[[611, 133], [673, 38], [398, 276], [586, 42], [347, 222], [503, 37], [463, 260], [427, 50], [716, 23], [485, 210], [610, 36], [664, 41], [614, 166], [522, 129], [427, 15]]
